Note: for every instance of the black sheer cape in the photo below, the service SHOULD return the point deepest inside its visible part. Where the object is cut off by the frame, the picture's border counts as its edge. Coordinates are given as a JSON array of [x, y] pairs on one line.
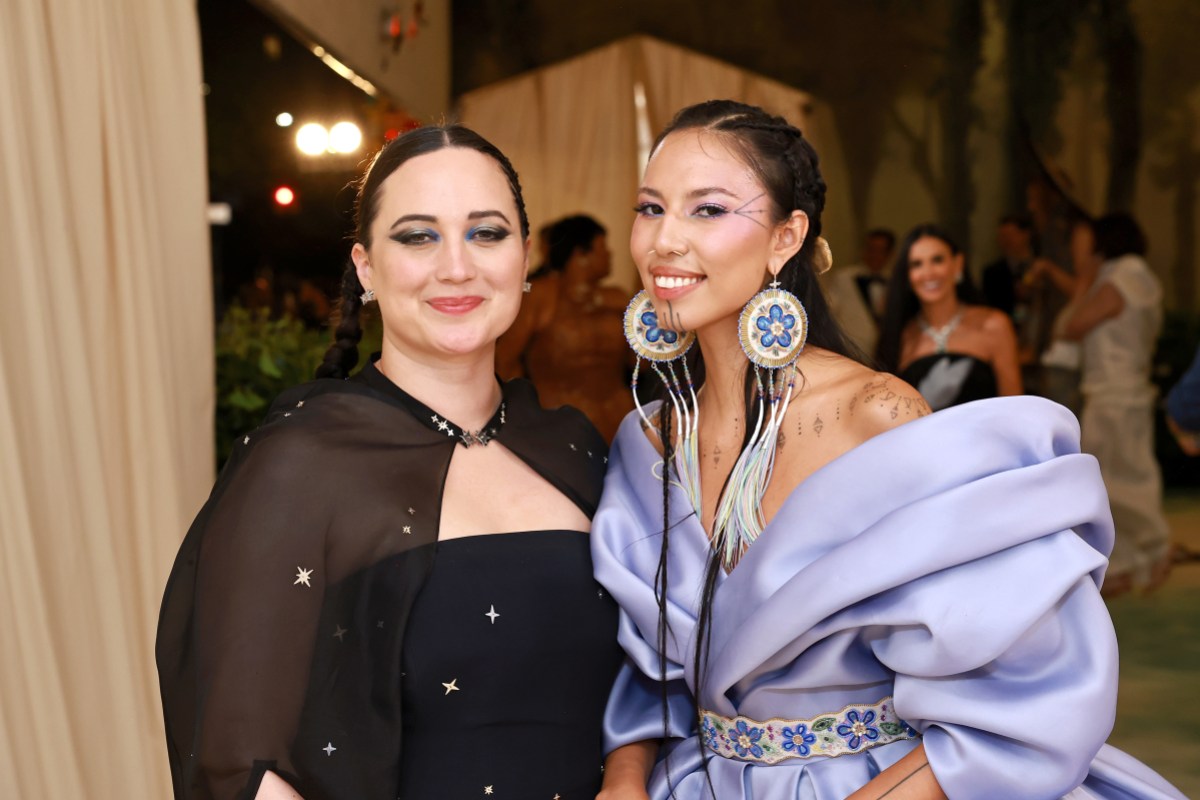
[[281, 626]]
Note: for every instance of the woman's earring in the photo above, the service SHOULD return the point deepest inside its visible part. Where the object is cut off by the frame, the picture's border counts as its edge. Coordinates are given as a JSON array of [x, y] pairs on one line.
[[526, 287], [367, 296], [647, 338], [773, 327]]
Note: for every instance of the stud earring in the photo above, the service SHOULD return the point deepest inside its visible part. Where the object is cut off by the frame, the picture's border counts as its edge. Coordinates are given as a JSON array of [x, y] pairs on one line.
[[526, 287], [773, 327], [367, 296]]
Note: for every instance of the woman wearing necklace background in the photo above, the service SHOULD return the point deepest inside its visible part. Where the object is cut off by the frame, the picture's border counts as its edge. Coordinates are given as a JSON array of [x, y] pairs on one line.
[[932, 335], [337, 623], [825, 590]]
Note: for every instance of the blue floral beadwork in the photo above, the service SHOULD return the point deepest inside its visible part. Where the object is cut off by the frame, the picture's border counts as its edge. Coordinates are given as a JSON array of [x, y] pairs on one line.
[[798, 739], [857, 728], [745, 740], [776, 327], [653, 332], [854, 729]]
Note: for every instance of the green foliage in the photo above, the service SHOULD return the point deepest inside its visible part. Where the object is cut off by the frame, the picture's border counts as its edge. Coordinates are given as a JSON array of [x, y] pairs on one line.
[[257, 358]]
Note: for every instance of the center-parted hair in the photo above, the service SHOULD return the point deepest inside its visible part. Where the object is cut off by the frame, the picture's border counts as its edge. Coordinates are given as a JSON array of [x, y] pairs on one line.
[[342, 355], [787, 166]]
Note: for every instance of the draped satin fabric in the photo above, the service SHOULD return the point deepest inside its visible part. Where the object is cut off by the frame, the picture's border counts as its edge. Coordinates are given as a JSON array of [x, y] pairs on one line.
[[952, 563], [281, 628]]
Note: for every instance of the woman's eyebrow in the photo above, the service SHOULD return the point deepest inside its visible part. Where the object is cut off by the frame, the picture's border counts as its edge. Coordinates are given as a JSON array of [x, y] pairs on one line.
[[488, 213], [694, 193], [413, 218]]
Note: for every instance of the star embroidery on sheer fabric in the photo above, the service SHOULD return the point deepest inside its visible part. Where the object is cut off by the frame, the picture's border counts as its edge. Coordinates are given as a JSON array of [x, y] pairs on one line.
[[408, 528], [450, 687], [329, 748], [488, 790], [302, 576], [339, 633], [491, 614]]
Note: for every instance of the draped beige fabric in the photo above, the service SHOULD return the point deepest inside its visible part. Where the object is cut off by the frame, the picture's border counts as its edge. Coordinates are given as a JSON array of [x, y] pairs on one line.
[[570, 129], [106, 386]]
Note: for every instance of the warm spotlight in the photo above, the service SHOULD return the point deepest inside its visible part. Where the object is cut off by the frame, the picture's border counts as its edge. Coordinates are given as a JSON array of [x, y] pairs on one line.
[[284, 120], [312, 139], [284, 196], [345, 137]]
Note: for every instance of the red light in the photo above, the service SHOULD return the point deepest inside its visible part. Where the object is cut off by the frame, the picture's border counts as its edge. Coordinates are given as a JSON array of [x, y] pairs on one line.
[[284, 196]]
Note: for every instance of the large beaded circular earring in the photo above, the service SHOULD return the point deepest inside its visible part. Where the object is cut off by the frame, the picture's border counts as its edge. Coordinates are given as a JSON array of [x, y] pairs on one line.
[[650, 340], [772, 329], [661, 347]]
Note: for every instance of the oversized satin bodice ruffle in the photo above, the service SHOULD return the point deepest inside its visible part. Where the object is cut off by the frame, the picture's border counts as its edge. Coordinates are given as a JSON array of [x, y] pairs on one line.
[[952, 563]]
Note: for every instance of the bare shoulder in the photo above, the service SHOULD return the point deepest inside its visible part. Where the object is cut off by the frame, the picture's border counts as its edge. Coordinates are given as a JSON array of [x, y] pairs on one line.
[[879, 401], [990, 320]]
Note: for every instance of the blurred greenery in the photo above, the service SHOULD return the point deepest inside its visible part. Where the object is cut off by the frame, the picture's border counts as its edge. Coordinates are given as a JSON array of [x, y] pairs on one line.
[[258, 357]]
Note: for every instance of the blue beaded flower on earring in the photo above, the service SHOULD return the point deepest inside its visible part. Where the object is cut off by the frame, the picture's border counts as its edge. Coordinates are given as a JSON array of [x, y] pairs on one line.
[[773, 327], [647, 337]]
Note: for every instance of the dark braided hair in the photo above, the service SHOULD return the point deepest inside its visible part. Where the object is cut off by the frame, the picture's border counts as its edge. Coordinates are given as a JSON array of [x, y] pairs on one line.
[[787, 166], [342, 355]]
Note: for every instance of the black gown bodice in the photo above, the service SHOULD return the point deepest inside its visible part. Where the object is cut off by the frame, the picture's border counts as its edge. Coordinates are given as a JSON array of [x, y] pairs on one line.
[[510, 651], [950, 379]]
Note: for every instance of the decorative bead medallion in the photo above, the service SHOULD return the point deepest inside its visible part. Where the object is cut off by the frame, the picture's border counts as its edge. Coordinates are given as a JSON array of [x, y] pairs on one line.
[[647, 338], [773, 328]]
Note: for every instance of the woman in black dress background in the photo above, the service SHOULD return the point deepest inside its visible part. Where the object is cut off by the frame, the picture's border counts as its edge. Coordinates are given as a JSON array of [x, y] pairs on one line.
[[935, 336], [389, 592]]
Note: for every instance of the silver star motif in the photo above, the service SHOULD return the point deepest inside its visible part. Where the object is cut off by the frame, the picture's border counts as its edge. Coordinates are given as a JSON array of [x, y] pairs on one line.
[[556, 796], [302, 576], [488, 790], [573, 447], [411, 511], [408, 528], [329, 748], [300, 404], [492, 615], [449, 431], [450, 687], [441, 423], [379, 624], [246, 440], [606, 459], [589, 453], [287, 413], [339, 633]]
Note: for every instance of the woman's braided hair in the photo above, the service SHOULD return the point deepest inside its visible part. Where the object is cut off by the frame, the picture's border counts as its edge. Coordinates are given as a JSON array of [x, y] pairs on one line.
[[342, 355], [787, 166]]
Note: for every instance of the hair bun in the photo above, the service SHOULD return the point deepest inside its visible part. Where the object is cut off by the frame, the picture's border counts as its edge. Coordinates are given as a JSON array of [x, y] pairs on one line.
[[822, 256]]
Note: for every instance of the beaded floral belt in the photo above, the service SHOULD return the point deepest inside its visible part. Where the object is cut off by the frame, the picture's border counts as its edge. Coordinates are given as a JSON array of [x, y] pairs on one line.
[[853, 729]]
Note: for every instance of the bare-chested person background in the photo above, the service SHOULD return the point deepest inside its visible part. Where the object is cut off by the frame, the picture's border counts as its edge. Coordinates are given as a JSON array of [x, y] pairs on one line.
[[567, 338]]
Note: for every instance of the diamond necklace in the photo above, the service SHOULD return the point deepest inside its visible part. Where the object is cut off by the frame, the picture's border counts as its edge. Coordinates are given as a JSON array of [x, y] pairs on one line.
[[942, 334]]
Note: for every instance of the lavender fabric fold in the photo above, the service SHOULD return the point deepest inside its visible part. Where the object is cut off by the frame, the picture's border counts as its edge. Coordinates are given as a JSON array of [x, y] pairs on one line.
[[952, 563]]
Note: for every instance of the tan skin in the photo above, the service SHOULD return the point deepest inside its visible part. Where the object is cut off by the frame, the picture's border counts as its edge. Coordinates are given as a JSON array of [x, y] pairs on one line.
[[705, 219], [569, 332], [466, 244], [985, 333]]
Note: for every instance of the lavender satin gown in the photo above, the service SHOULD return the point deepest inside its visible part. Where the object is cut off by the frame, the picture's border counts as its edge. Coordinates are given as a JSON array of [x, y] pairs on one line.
[[951, 564]]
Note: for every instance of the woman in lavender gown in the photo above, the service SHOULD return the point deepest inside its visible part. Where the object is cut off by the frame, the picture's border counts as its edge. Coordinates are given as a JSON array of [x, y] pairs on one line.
[[834, 593]]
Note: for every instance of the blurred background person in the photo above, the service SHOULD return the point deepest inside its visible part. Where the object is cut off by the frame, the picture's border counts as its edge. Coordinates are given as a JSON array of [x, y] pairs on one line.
[[857, 293], [934, 336], [1183, 409], [1003, 284], [1116, 313], [567, 338]]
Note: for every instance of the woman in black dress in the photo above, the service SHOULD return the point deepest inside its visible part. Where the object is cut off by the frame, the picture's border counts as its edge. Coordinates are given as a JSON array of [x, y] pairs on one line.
[[933, 335], [389, 593]]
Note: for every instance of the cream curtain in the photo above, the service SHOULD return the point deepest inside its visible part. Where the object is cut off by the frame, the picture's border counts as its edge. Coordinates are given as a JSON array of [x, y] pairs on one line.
[[571, 131], [106, 386], [572, 139]]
